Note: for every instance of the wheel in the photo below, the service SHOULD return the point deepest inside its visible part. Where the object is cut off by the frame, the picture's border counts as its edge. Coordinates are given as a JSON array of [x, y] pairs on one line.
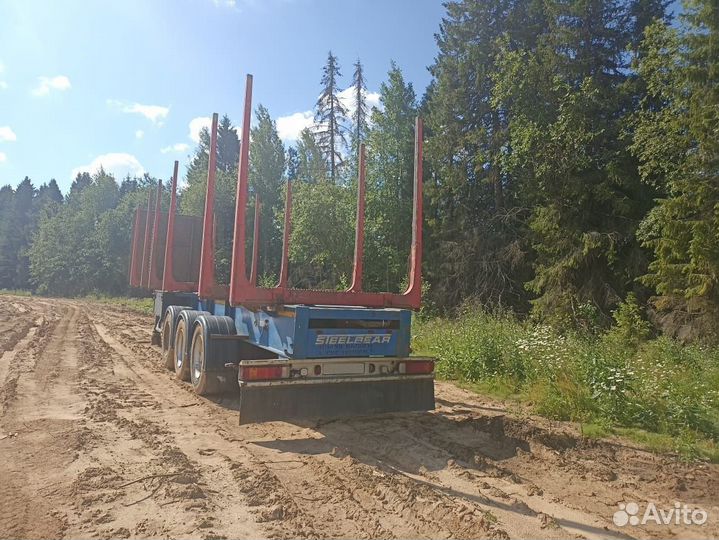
[[182, 370], [183, 341], [213, 381], [167, 343], [198, 353], [167, 336]]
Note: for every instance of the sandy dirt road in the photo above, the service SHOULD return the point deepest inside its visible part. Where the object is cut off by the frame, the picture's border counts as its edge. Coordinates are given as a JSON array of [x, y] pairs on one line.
[[98, 440]]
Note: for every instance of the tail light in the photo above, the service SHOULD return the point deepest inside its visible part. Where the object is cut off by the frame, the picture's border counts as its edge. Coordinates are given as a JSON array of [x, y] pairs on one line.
[[418, 367], [263, 373]]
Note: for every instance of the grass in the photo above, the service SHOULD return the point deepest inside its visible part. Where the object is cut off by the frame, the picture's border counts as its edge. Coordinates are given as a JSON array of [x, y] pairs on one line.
[[145, 306], [15, 292], [655, 392]]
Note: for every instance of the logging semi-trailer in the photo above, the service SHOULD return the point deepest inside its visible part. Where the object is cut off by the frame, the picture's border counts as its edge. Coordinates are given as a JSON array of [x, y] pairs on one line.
[[290, 353]]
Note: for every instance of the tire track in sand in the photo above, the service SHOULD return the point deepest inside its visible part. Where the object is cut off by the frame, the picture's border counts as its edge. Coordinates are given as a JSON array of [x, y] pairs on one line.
[[39, 386], [349, 498]]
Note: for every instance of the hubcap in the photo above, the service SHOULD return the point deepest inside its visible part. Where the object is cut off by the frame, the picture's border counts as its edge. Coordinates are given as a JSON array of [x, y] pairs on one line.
[[198, 353], [166, 336], [180, 346]]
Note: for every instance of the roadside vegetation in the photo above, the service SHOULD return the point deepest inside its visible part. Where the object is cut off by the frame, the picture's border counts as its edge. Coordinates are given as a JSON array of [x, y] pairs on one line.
[[623, 381], [144, 306]]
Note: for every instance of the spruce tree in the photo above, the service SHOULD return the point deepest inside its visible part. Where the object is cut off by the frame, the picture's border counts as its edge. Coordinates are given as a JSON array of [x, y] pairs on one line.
[[568, 150], [360, 112], [330, 115], [390, 167], [475, 209], [267, 169], [24, 227], [228, 145], [7, 238], [676, 142], [311, 166]]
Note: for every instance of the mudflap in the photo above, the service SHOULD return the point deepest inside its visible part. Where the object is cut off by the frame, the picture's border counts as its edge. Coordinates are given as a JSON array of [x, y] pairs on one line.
[[287, 402]]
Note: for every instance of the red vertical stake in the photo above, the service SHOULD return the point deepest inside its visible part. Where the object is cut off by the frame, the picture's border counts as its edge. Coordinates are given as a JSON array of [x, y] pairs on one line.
[[359, 230], [134, 255], [206, 282], [256, 241], [146, 244], [284, 266], [414, 289], [153, 280], [238, 272], [168, 270]]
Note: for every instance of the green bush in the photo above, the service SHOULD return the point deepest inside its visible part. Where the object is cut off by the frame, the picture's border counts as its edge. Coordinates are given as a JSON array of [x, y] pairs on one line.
[[619, 378]]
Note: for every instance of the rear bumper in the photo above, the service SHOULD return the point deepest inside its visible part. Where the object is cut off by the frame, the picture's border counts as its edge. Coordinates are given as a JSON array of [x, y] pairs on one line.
[[334, 397]]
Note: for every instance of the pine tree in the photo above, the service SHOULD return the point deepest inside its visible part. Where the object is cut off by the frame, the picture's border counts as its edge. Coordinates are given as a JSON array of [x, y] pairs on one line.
[[330, 116]]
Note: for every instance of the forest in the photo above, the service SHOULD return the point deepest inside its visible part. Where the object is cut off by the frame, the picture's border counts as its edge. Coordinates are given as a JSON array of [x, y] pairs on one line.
[[571, 181]]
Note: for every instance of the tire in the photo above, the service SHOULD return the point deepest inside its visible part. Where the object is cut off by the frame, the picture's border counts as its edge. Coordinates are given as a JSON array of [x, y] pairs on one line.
[[204, 382], [167, 336], [183, 341]]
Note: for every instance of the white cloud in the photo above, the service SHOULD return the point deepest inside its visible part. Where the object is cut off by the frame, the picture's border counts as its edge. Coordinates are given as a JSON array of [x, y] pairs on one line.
[[2, 67], [3, 85], [225, 3], [46, 84], [7, 134], [139, 134], [3, 157], [289, 127], [118, 164], [177, 147], [196, 125], [154, 113], [347, 98]]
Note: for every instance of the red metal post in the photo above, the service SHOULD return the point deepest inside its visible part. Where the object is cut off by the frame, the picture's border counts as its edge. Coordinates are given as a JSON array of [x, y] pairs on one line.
[[359, 230], [207, 287], [153, 280], [168, 281], [146, 245], [284, 266], [238, 275], [256, 241], [245, 292], [135, 258], [414, 287]]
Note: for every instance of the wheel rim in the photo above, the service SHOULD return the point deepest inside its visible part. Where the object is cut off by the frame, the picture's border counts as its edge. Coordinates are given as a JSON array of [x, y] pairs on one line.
[[198, 356], [180, 346], [166, 336]]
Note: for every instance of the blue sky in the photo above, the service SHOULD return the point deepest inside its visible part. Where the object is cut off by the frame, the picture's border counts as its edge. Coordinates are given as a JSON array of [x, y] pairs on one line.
[[123, 82]]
